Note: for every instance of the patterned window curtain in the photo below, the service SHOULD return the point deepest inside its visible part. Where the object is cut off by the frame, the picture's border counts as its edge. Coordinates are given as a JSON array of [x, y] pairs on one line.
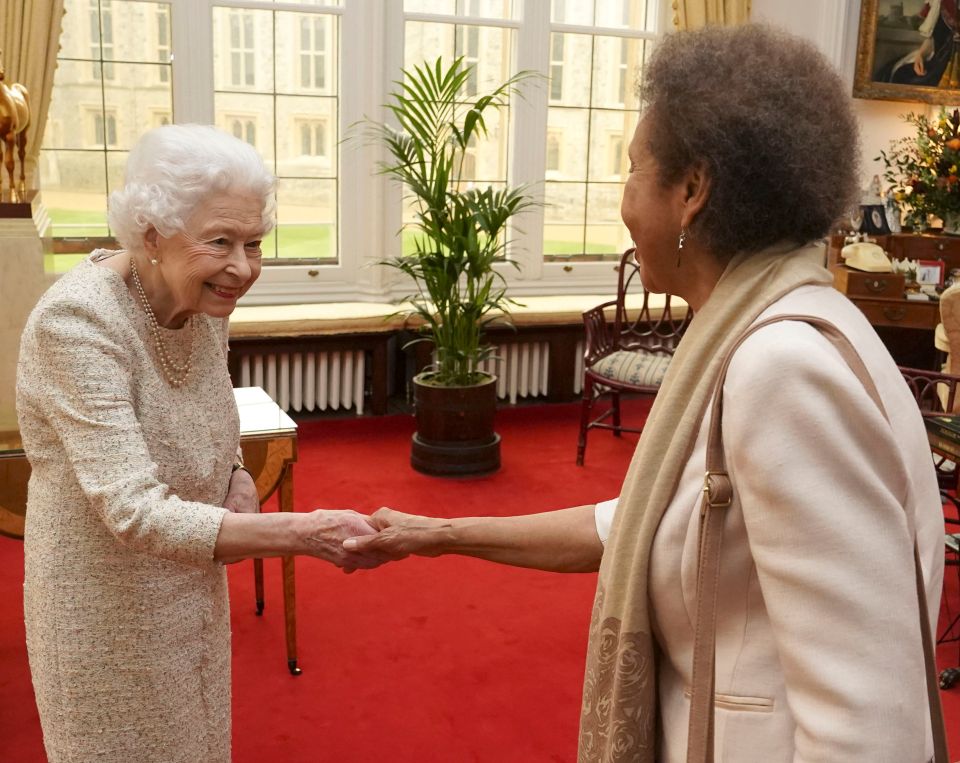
[[693, 14], [29, 39]]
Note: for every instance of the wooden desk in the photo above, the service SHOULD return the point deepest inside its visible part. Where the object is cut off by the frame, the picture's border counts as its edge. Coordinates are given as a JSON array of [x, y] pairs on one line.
[[905, 326], [268, 438]]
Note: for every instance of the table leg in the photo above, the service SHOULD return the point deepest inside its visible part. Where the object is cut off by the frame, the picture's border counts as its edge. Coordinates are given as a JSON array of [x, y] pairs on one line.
[[258, 583], [289, 583]]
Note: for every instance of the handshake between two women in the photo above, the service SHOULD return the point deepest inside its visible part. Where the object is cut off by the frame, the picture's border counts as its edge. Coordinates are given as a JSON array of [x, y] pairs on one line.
[[564, 540]]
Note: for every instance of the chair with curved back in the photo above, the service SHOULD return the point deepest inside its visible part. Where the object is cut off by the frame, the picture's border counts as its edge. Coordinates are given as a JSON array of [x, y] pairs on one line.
[[631, 354], [939, 393]]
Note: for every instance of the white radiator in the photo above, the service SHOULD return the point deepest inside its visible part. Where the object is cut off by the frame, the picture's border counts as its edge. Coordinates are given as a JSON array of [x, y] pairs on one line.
[[319, 381], [521, 370], [308, 381], [578, 369]]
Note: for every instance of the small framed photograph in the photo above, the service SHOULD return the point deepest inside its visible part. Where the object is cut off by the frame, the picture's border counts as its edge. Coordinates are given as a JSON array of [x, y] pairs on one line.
[[874, 220], [930, 272]]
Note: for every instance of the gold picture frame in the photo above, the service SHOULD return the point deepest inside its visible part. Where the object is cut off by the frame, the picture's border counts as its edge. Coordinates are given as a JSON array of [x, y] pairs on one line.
[[891, 36]]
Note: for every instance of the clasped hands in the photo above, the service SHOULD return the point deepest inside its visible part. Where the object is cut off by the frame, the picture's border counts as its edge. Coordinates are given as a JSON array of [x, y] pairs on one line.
[[348, 539], [355, 541]]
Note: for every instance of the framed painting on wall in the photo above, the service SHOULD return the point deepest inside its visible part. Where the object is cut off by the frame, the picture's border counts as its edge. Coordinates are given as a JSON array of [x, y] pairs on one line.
[[909, 50]]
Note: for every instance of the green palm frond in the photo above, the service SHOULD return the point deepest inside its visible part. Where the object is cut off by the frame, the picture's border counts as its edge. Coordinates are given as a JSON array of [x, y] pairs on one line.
[[457, 235]]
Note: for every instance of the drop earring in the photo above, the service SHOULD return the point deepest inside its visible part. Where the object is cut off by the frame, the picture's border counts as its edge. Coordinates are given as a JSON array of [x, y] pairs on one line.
[[680, 242]]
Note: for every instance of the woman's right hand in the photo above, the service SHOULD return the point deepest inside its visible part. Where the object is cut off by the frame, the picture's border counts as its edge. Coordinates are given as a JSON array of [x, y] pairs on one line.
[[400, 535], [321, 534]]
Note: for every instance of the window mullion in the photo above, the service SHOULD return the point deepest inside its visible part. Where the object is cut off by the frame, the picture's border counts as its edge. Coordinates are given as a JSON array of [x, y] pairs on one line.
[[365, 195], [192, 46], [528, 128]]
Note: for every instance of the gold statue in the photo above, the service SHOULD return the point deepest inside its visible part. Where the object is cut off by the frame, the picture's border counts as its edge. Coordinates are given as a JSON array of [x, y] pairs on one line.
[[14, 121]]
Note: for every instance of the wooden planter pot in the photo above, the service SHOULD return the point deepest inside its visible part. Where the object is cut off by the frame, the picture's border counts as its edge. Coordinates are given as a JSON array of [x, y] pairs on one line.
[[455, 436]]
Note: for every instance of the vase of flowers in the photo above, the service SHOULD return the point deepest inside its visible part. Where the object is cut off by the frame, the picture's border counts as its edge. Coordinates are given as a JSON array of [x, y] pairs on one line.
[[923, 171]]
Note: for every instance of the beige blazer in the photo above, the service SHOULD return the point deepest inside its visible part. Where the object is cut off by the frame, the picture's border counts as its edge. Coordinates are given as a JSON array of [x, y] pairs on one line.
[[818, 645]]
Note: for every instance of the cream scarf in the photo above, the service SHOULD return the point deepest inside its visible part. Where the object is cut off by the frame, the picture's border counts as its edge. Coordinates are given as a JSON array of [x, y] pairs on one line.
[[619, 717]]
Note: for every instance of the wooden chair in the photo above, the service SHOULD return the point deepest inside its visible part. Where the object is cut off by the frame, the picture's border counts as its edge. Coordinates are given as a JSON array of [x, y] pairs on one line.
[[629, 355], [937, 393]]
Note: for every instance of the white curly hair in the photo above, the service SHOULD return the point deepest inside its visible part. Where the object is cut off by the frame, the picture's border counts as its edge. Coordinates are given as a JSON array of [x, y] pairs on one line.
[[171, 168]]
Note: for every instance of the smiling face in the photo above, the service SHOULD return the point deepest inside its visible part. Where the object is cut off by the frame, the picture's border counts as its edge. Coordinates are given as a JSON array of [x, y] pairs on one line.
[[210, 265], [653, 213]]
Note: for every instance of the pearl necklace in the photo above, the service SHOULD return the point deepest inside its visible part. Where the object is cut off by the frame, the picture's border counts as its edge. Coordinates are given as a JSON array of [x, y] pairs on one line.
[[176, 374]]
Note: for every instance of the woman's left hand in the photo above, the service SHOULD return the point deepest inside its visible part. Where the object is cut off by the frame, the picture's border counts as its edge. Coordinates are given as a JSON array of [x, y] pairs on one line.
[[242, 494]]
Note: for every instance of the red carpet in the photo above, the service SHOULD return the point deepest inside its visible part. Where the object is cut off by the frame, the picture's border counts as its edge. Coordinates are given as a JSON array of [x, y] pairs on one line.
[[427, 660]]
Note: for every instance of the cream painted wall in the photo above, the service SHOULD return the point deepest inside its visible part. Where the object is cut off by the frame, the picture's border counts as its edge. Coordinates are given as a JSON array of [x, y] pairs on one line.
[[833, 25]]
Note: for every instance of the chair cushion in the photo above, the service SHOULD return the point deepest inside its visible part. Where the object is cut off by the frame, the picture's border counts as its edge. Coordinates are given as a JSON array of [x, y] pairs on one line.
[[640, 368]]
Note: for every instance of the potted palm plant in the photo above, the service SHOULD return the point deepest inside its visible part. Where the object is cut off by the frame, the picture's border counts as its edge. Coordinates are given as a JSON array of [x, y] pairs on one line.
[[458, 233]]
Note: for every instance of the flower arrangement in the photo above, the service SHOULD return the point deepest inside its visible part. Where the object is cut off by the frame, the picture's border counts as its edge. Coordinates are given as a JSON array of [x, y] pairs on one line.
[[923, 171]]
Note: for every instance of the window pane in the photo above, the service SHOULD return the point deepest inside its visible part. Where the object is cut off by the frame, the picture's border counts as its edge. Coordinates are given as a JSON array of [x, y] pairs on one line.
[[563, 218], [81, 30], [307, 219], [129, 102], [307, 50], [128, 25], [306, 137], [617, 67], [76, 99], [572, 12], [430, 6], [571, 51], [610, 133], [605, 231], [570, 127], [241, 114], [116, 164], [309, 2], [243, 49], [491, 9], [425, 42], [75, 192], [487, 156], [623, 14]]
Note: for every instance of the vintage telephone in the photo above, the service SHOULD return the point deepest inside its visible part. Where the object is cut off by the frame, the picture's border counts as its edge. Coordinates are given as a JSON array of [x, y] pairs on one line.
[[864, 256]]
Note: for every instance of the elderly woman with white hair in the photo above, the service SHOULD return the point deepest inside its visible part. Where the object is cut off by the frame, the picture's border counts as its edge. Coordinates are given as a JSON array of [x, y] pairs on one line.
[[137, 496]]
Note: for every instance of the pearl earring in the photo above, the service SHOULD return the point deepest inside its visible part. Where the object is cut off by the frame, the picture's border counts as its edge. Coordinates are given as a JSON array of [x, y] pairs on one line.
[[680, 242], [154, 261]]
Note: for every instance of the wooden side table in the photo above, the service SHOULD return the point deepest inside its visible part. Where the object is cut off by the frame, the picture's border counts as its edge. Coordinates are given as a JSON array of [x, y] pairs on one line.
[[268, 438]]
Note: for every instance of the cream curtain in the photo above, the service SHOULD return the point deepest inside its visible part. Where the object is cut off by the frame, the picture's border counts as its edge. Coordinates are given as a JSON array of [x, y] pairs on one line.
[[30, 39], [693, 14]]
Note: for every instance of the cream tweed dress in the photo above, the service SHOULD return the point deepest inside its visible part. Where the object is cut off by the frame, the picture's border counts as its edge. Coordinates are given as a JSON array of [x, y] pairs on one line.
[[127, 617]]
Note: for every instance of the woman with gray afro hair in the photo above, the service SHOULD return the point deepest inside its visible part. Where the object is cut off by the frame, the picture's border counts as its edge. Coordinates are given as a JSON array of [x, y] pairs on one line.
[[819, 479], [138, 495]]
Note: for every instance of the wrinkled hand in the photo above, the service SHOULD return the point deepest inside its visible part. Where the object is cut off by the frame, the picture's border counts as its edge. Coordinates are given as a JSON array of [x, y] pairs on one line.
[[324, 532], [242, 494], [400, 535]]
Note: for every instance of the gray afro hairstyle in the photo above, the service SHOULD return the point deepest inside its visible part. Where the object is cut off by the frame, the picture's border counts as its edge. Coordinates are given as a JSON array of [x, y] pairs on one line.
[[769, 117], [172, 168]]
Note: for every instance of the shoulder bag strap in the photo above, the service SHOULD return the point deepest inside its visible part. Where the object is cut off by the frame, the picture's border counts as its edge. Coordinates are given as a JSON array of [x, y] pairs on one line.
[[717, 495]]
